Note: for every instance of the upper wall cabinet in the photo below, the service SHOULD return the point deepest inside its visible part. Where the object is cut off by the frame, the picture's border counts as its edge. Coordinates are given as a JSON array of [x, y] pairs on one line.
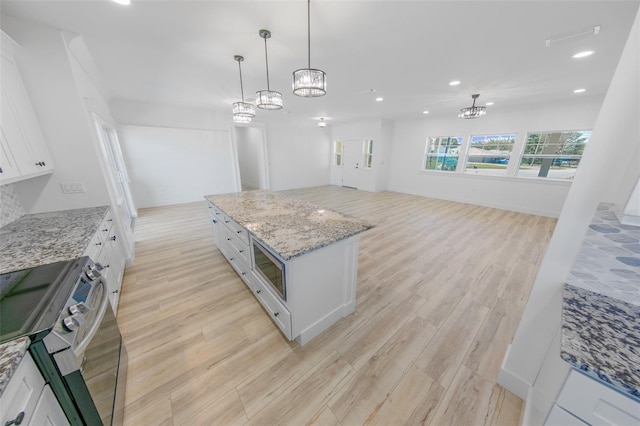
[[23, 150]]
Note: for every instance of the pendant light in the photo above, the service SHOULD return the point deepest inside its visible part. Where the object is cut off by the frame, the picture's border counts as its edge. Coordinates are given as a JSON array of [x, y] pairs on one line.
[[267, 99], [242, 111], [309, 82], [473, 111]]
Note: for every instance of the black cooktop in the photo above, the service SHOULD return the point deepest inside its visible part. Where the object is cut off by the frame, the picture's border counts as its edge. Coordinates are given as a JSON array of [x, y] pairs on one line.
[[31, 299]]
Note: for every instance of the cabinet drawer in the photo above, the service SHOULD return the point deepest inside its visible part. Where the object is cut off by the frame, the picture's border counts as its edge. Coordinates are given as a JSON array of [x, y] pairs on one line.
[[596, 403], [94, 248], [239, 246], [238, 263], [22, 392], [237, 230], [276, 310]]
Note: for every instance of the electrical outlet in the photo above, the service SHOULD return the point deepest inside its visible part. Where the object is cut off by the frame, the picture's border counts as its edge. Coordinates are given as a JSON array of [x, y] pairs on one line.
[[72, 187]]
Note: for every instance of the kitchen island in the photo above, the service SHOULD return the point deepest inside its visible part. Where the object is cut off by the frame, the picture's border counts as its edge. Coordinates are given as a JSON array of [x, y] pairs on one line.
[[299, 260]]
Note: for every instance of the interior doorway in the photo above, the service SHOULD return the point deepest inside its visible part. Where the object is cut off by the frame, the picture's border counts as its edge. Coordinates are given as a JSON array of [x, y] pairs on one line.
[[252, 158], [351, 163]]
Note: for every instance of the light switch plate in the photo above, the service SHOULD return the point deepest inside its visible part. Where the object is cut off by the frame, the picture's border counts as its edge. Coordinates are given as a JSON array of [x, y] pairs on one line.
[[72, 187]]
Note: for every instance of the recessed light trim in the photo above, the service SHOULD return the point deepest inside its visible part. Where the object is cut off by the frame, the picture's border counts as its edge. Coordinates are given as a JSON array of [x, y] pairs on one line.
[[489, 103], [425, 112], [583, 54], [579, 90], [379, 99], [122, 2], [454, 83]]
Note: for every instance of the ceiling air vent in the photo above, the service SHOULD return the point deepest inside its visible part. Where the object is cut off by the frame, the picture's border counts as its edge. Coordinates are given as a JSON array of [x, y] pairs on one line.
[[593, 31]]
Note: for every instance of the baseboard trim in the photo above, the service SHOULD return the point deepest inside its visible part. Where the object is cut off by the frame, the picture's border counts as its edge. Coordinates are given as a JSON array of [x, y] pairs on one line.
[[512, 382]]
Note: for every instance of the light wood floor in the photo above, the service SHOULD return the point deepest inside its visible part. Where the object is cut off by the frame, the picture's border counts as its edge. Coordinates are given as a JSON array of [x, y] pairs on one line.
[[441, 289]]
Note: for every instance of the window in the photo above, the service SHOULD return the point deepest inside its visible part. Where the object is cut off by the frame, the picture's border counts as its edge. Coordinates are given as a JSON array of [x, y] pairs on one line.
[[337, 153], [554, 155], [489, 154], [441, 153], [368, 156]]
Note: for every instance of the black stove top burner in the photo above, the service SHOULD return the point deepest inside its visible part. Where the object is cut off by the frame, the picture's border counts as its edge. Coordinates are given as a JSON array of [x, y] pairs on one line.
[[30, 298]]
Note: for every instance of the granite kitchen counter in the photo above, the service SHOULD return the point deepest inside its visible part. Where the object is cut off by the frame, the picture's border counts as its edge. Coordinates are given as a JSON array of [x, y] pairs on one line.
[[289, 227], [11, 353], [38, 239], [601, 305]]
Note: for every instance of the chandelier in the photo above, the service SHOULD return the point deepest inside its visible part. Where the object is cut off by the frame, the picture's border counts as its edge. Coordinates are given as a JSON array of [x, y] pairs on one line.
[[322, 123], [267, 99], [473, 111], [242, 111], [309, 82]]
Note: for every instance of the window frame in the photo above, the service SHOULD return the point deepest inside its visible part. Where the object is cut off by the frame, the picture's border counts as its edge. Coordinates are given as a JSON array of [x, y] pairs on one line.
[[368, 153], [501, 171], [425, 158], [554, 157]]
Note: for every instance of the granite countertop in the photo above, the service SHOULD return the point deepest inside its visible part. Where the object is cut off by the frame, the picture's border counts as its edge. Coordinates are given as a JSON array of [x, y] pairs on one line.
[[38, 239], [289, 227], [11, 353], [601, 304]]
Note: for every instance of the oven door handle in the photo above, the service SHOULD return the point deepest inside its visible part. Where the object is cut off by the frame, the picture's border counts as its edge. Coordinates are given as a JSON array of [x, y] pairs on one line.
[[104, 303]]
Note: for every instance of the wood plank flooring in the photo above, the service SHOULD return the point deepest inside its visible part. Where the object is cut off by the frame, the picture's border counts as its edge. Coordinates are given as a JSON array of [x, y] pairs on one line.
[[441, 288]]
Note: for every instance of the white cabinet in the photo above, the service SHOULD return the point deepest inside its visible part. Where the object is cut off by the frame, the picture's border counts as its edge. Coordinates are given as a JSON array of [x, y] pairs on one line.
[[24, 150], [26, 399], [594, 403], [104, 248], [48, 412]]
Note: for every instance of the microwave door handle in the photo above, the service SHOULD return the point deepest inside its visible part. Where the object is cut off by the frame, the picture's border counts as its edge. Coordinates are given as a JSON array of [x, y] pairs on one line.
[[104, 303]]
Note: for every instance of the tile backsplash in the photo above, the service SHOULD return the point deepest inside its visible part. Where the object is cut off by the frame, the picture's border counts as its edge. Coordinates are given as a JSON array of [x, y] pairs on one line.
[[10, 206]]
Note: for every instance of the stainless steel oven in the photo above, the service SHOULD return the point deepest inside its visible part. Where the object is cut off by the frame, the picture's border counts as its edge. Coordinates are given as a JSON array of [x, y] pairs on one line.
[[269, 268], [64, 308]]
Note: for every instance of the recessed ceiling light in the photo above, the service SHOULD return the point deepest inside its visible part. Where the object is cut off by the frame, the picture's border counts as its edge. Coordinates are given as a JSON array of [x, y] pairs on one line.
[[124, 2], [579, 90], [489, 103], [454, 83], [583, 54], [379, 99], [425, 112]]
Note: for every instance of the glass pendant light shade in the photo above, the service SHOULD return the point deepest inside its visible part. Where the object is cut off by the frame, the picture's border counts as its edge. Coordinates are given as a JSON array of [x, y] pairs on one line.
[[241, 119], [309, 82], [242, 111], [268, 99], [473, 111]]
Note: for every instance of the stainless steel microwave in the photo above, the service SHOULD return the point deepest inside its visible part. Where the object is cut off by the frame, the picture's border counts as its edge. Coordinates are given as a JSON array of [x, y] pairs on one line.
[[269, 268]]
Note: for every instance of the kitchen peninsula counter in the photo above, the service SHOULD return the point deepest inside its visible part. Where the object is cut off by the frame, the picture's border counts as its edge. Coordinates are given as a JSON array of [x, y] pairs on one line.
[[38, 239], [299, 260], [287, 226], [601, 305]]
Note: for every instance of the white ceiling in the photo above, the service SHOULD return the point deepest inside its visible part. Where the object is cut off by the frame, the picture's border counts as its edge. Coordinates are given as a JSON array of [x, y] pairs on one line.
[[179, 52]]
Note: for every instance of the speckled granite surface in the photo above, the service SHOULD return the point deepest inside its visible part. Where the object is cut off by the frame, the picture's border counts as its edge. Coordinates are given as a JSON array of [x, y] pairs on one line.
[[38, 239], [11, 354], [287, 226], [601, 304]]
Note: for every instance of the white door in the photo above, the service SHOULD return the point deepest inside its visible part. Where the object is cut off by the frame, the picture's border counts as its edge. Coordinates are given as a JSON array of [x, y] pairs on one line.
[[352, 161]]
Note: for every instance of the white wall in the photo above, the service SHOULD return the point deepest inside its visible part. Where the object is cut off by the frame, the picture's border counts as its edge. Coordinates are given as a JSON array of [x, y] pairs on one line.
[[252, 161], [51, 85], [298, 155], [611, 152], [173, 166], [535, 196]]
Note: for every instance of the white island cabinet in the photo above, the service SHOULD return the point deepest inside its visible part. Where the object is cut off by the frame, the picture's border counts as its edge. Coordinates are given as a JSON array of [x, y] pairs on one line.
[[299, 261]]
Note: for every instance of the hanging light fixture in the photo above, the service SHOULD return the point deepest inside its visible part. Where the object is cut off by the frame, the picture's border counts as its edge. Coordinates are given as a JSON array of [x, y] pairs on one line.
[[242, 111], [309, 82], [473, 111], [267, 99], [322, 123]]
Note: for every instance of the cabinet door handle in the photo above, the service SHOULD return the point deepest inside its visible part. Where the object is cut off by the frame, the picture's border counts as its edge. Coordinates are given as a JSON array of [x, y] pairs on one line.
[[109, 220], [258, 291], [228, 239], [113, 238], [241, 251], [239, 232], [17, 420], [116, 291], [98, 244], [105, 229], [275, 314], [1, 170], [231, 258]]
